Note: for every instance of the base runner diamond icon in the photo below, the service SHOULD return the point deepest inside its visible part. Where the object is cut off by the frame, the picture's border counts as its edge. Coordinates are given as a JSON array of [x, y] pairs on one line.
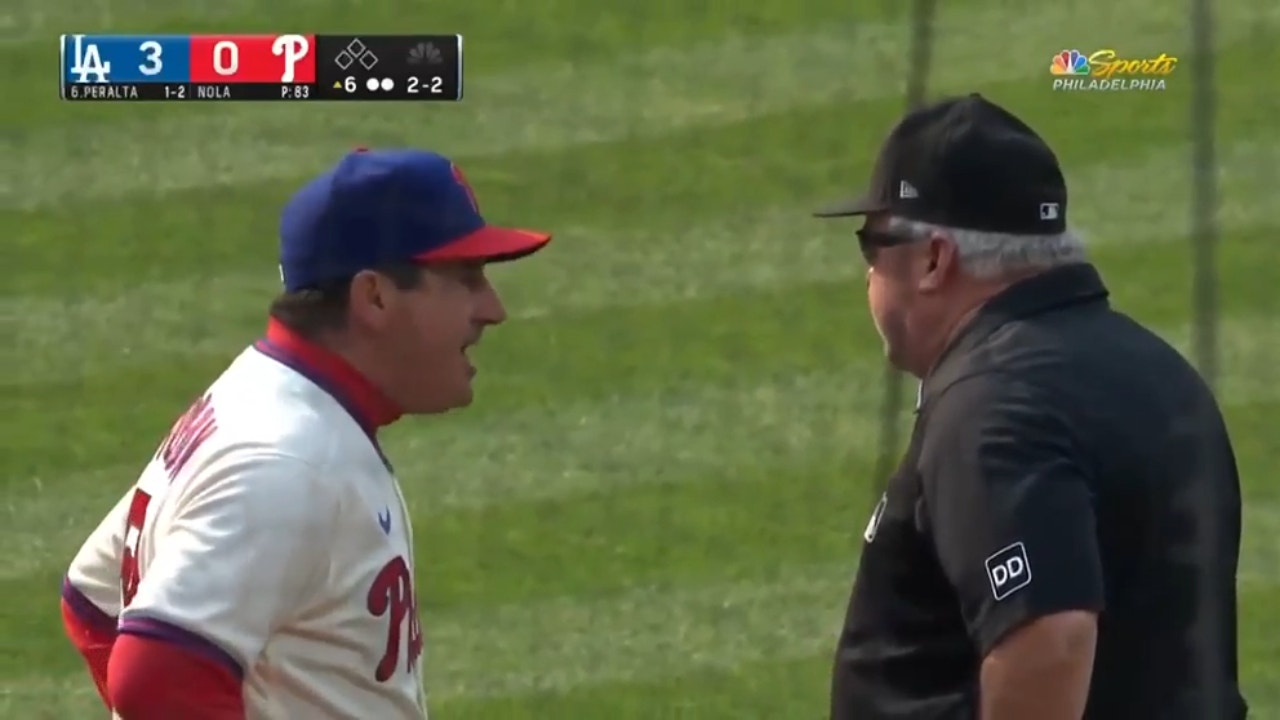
[[356, 52]]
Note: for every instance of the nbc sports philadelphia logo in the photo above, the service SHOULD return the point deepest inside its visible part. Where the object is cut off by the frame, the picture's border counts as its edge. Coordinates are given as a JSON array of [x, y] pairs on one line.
[[1108, 71]]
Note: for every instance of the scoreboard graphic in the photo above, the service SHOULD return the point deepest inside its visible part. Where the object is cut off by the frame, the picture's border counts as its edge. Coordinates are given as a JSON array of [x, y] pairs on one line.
[[285, 67]]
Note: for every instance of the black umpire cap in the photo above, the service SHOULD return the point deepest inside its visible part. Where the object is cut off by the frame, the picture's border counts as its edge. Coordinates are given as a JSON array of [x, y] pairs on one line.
[[966, 163]]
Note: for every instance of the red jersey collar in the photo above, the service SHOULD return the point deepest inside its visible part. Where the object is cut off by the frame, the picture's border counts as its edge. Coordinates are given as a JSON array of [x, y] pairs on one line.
[[366, 403]]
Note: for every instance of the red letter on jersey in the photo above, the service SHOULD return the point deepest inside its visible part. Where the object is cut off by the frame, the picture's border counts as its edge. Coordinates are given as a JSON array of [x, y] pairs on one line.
[[392, 595], [253, 59], [188, 434]]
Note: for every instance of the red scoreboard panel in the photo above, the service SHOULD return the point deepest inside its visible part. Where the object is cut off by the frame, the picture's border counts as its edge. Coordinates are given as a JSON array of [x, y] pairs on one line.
[[261, 67], [253, 59]]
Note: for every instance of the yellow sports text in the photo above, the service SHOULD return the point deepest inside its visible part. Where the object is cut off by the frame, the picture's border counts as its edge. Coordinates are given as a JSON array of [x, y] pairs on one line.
[[1105, 65]]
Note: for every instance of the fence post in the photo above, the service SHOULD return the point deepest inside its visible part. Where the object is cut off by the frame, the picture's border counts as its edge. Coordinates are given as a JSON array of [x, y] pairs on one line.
[[923, 13]]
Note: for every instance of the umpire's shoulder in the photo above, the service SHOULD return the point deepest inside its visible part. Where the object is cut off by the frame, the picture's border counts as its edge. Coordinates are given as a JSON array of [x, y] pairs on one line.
[[975, 411], [975, 391]]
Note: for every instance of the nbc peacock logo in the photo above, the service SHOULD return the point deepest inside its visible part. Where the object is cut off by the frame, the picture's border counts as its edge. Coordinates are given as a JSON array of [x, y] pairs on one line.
[[1069, 62]]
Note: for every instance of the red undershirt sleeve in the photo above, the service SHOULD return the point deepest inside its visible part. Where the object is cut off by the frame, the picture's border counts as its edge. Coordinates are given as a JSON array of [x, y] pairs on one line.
[[93, 641], [155, 679], [144, 678]]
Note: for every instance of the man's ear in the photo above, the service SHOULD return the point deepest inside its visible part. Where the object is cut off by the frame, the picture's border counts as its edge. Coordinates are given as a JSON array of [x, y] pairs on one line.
[[939, 260], [366, 290], [368, 297]]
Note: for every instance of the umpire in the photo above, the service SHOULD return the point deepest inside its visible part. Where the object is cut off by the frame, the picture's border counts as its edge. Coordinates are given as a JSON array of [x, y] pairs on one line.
[[1061, 538]]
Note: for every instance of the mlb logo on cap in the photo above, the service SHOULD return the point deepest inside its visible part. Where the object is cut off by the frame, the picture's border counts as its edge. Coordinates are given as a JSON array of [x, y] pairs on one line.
[[1049, 211]]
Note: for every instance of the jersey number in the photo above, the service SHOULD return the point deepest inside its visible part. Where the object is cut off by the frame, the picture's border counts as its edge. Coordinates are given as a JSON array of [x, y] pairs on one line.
[[188, 434], [129, 574]]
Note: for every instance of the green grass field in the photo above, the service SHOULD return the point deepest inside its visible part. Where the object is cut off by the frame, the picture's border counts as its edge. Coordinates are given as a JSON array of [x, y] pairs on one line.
[[653, 508]]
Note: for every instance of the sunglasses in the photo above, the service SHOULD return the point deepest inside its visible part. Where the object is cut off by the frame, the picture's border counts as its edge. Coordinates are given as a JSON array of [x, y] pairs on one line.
[[871, 242]]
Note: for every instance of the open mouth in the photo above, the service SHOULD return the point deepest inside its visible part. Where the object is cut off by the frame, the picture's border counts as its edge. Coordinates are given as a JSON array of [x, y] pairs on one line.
[[471, 368]]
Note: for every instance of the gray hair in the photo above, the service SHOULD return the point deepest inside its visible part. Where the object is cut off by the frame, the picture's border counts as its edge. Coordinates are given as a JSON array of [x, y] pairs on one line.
[[990, 255]]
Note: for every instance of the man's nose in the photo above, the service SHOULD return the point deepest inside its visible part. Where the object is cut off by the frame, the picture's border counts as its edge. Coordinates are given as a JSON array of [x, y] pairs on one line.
[[489, 308]]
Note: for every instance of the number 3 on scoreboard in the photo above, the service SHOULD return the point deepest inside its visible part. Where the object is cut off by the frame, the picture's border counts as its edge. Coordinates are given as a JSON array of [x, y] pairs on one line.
[[154, 64], [434, 85]]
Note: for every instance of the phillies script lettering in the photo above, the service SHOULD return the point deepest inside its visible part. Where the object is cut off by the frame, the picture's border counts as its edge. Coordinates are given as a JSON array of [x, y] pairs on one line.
[[392, 595], [188, 434]]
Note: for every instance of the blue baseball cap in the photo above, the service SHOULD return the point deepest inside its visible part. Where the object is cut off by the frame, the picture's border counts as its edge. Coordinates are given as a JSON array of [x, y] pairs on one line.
[[379, 207]]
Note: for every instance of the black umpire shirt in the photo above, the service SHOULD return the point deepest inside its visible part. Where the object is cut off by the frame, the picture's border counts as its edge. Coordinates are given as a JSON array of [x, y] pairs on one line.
[[1063, 457]]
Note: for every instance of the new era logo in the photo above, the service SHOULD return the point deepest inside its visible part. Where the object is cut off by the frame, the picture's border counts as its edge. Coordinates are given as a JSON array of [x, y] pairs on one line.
[[1008, 571], [907, 191], [873, 525], [1049, 211]]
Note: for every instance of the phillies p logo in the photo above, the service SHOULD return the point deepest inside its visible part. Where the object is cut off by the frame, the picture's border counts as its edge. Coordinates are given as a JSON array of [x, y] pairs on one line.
[[462, 180]]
